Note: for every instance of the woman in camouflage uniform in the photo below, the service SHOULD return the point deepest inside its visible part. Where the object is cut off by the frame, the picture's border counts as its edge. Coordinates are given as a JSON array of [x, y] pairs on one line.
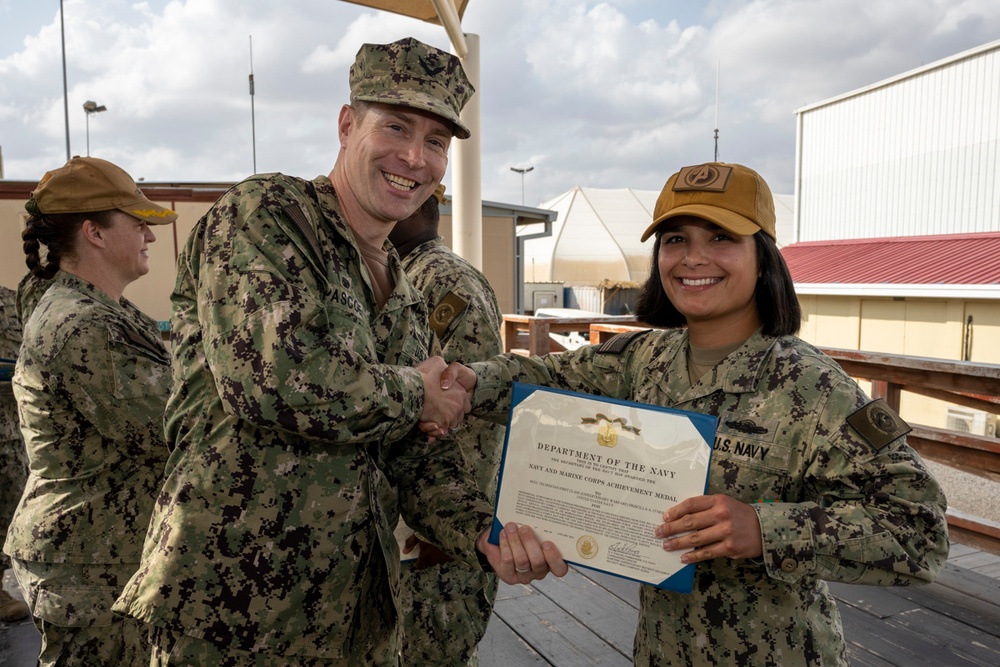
[[91, 384], [810, 480]]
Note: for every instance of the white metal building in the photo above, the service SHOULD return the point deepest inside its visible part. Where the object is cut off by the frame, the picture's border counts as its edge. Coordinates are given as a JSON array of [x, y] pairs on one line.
[[897, 221], [912, 155]]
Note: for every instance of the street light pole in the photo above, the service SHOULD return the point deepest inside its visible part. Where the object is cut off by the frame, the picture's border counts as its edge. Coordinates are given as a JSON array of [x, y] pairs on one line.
[[90, 107], [522, 172]]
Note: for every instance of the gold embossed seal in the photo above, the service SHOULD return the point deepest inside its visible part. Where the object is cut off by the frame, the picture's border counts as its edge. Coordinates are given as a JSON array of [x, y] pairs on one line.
[[586, 547]]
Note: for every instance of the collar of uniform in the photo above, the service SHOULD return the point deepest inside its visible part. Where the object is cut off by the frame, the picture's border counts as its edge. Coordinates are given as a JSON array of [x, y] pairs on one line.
[[742, 370], [404, 294], [738, 373], [330, 204], [81, 285]]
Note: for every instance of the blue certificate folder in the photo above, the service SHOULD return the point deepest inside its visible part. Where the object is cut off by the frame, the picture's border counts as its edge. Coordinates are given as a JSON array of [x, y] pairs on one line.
[[699, 429], [7, 369]]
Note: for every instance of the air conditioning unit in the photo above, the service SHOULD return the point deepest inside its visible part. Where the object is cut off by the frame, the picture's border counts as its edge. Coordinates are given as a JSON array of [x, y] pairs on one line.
[[542, 295], [971, 421]]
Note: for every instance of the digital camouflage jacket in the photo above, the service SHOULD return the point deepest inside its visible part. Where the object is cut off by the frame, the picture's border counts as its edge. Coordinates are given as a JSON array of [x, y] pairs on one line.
[[13, 458], [291, 421], [467, 320], [834, 504], [446, 608], [91, 383]]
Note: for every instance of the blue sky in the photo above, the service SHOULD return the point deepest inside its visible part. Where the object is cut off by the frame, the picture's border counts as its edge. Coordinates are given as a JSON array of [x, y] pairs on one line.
[[599, 94]]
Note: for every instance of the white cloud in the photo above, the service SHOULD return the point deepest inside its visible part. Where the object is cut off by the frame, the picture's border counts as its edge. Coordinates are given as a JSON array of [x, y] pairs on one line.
[[606, 94]]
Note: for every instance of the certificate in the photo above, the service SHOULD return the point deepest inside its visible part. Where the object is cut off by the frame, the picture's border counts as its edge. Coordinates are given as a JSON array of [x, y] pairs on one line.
[[594, 475]]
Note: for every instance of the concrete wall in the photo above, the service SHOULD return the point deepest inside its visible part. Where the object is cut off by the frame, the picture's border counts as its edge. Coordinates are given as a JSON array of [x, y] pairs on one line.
[[937, 328], [151, 293], [498, 256]]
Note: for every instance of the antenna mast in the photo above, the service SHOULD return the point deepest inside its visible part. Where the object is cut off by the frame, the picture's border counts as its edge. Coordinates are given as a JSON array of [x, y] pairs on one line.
[[716, 111], [253, 121]]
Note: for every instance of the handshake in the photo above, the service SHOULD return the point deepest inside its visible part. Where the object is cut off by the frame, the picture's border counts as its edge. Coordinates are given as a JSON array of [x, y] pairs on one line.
[[519, 558], [448, 390]]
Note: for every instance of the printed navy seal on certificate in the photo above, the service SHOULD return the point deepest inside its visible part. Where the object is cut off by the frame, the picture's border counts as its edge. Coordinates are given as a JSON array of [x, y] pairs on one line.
[[594, 475]]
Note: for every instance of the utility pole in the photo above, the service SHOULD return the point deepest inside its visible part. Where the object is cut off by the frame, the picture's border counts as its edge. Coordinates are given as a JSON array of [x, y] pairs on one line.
[[716, 111]]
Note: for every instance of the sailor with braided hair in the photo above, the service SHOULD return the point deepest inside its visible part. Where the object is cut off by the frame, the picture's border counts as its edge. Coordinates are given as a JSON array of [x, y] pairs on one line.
[[91, 385]]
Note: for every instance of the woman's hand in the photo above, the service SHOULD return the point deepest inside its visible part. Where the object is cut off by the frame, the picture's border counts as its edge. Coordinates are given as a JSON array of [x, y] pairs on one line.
[[715, 526]]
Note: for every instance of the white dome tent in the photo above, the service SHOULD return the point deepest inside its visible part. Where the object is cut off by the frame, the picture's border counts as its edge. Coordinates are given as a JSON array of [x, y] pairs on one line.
[[595, 238]]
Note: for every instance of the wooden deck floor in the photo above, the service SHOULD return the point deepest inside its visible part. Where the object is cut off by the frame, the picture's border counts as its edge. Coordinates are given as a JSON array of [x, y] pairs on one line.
[[589, 619]]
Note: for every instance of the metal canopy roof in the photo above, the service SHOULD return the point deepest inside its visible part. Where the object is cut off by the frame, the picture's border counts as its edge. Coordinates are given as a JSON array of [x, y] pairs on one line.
[[953, 259], [418, 9]]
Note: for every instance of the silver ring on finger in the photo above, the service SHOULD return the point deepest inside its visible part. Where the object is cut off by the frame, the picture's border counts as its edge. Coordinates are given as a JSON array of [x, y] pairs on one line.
[[520, 571]]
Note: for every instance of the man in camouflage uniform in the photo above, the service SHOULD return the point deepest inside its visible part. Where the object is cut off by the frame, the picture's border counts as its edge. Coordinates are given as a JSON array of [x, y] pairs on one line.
[[810, 480], [447, 605], [294, 402], [13, 459]]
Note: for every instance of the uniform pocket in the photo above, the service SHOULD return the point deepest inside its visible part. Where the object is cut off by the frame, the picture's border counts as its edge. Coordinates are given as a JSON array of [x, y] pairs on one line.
[[735, 475], [76, 606], [138, 371]]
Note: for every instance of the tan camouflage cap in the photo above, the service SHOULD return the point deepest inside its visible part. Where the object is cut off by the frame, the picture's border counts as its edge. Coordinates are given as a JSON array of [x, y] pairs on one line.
[[88, 185], [732, 196], [410, 73]]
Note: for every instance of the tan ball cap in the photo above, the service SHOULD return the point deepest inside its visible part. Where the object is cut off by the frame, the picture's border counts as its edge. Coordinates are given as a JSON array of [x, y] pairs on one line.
[[732, 196], [88, 185]]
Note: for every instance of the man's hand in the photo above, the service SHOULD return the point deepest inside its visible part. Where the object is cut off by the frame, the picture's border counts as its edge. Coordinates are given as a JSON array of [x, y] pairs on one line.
[[715, 526], [443, 407], [453, 378], [520, 559]]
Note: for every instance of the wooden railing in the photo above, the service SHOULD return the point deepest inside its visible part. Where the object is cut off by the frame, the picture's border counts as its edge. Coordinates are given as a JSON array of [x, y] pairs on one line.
[[964, 383], [526, 334]]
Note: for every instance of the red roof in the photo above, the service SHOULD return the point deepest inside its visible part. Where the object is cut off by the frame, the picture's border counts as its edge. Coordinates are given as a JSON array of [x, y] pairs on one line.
[[951, 259]]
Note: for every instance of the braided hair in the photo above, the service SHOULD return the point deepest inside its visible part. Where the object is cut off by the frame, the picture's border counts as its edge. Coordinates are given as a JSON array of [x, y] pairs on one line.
[[57, 232]]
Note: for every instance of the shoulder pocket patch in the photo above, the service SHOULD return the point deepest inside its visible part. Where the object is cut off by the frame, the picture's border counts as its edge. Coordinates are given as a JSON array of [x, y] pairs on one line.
[[445, 312], [878, 424]]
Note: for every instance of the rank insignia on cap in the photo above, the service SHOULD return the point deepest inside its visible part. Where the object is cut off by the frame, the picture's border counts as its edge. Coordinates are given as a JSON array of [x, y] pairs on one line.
[[431, 65], [878, 424], [445, 312], [705, 177]]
